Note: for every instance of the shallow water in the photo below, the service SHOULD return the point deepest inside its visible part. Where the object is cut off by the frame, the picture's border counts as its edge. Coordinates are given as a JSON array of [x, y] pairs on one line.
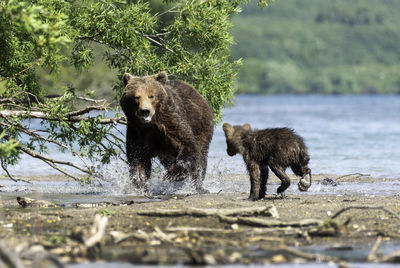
[[73, 192], [344, 134]]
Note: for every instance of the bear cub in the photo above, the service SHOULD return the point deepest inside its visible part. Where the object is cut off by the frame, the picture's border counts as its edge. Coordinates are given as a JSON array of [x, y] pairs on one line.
[[274, 148]]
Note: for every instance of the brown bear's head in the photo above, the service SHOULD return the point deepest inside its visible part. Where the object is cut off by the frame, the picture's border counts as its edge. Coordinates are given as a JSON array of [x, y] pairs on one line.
[[142, 95], [234, 136]]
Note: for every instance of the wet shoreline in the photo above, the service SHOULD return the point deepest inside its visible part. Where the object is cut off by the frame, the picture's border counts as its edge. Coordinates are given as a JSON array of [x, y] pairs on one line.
[[209, 240]]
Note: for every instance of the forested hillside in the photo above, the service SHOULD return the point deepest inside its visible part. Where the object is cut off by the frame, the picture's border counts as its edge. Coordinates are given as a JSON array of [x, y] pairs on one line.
[[319, 46]]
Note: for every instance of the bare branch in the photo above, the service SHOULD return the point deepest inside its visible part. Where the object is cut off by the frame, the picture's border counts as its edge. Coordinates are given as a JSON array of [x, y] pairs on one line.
[[46, 116], [372, 255], [253, 221], [62, 170], [90, 100], [33, 134], [168, 11], [24, 70], [86, 110], [365, 207], [3, 166], [196, 212], [51, 160], [158, 43]]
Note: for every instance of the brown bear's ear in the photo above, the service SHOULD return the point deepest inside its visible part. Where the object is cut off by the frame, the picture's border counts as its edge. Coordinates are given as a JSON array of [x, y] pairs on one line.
[[126, 78], [228, 129], [247, 126], [161, 77]]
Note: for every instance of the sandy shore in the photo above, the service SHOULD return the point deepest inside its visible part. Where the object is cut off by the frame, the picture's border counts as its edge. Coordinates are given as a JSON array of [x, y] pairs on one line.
[[304, 225]]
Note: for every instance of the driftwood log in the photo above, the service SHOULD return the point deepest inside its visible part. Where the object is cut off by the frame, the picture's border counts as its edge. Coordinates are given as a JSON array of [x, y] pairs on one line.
[[269, 211]]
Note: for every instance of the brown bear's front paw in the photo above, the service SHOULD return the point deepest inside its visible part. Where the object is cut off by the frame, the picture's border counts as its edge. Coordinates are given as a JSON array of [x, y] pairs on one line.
[[173, 177], [176, 173], [253, 198], [202, 190], [280, 196]]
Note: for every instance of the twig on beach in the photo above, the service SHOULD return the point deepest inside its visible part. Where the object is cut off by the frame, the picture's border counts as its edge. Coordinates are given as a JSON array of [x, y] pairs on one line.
[[372, 255], [196, 229], [97, 231], [359, 175], [270, 223], [307, 256], [196, 212], [119, 236], [365, 207]]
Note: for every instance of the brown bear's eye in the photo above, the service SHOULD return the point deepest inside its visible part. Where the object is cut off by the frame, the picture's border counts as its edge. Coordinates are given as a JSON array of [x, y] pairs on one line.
[[151, 97], [137, 98]]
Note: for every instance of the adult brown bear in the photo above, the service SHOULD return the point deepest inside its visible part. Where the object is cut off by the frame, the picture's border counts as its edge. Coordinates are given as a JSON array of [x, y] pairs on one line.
[[169, 120]]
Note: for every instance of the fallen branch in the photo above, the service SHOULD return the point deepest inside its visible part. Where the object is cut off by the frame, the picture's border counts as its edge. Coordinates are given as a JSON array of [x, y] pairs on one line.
[[119, 237], [196, 229], [270, 223], [393, 257], [308, 256], [97, 231], [372, 255], [365, 207], [197, 212]]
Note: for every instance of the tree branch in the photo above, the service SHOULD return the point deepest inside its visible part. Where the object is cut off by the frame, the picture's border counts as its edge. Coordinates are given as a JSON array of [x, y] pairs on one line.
[[46, 116], [86, 110], [3, 166], [52, 161]]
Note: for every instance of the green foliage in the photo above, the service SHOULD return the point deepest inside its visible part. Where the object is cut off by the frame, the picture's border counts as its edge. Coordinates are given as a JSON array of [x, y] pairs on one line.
[[313, 46], [44, 39], [85, 180], [7, 149], [105, 212]]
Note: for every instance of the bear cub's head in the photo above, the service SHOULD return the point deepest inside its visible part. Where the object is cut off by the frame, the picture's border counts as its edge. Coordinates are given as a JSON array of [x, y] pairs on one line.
[[234, 135], [142, 95]]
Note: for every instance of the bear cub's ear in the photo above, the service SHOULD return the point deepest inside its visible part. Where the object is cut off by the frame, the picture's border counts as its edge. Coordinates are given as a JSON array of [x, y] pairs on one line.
[[126, 78], [228, 129], [247, 126], [161, 77]]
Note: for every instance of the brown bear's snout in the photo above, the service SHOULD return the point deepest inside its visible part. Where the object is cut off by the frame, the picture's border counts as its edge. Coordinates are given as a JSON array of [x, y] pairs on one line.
[[144, 112]]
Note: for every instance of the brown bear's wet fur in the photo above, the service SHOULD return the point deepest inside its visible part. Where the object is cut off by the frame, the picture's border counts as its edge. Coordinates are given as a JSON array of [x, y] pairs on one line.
[[169, 120], [276, 148]]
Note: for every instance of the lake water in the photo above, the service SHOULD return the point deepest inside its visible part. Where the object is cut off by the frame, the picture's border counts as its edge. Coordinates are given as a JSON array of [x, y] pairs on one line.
[[344, 134]]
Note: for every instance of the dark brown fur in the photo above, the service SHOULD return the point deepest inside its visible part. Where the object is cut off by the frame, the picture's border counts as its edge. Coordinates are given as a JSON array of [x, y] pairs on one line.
[[276, 148], [169, 120]]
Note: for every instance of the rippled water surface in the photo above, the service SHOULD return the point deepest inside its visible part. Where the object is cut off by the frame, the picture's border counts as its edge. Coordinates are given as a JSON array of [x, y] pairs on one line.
[[344, 134]]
